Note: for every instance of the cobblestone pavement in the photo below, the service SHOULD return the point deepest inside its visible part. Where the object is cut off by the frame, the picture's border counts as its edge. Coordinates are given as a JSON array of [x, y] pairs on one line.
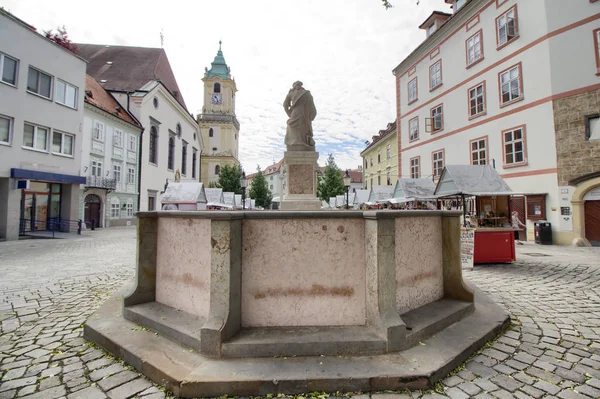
[[49, 287]]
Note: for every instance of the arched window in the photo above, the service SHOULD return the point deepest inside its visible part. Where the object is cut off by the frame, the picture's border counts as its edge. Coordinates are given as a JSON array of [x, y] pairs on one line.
[[210, 132], [153, 155], [184, 159], [178, 130], [171, 161], [217, 88], [217, 170]]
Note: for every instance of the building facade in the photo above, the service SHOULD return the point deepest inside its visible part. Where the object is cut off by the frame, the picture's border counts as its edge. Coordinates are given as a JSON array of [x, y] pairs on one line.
[[380, 159], [500, 82], [41, 112], [219, 127], [109, 160], [142, 81]]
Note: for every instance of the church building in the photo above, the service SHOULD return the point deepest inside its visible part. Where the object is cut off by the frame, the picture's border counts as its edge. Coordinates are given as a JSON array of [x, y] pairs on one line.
[[219, 127]]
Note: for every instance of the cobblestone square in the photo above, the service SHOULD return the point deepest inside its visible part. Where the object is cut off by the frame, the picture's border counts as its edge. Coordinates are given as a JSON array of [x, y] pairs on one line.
[[49, 287]]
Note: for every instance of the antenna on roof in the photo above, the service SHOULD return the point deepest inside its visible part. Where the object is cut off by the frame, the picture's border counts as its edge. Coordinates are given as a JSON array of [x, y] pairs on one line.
[[162, 38]]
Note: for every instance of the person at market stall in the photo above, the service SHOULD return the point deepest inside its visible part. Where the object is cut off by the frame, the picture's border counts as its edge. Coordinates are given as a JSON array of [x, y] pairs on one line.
[[517, 224]]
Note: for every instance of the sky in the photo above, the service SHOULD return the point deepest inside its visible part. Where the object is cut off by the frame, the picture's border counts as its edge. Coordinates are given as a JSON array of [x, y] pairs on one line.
[[342, 50]]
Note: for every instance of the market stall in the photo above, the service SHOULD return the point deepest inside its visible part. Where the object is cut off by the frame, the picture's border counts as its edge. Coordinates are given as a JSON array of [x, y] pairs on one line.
[[414, 194], [485, 200], [184, 196], [379, 196]]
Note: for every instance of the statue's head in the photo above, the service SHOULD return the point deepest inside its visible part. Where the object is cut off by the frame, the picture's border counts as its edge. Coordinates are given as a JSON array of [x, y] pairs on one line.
[[297, 85]]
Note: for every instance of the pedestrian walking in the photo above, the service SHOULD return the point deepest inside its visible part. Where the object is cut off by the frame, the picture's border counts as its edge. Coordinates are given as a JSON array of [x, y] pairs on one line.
[[517, 224]]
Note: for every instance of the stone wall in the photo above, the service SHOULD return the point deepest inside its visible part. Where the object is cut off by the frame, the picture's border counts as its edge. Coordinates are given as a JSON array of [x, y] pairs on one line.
[[576, 156]]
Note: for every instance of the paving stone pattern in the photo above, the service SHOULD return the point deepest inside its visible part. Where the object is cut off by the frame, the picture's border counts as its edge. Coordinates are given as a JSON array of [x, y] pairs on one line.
[[49, 287]]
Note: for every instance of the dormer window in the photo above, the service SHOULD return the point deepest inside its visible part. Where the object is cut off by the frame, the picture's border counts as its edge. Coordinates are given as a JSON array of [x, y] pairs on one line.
[[430, 29], [458, 5]]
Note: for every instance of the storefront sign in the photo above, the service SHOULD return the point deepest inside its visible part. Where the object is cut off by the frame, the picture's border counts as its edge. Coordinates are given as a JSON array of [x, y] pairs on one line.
[[467, 248]]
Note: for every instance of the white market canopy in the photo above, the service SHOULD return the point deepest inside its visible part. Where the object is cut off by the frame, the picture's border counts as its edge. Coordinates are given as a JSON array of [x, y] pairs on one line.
[[238, 200], [480, 180], [184, 192], [214, 196], [407, 190], [332, 202], [361, 197], [229, 199], [380, 194]]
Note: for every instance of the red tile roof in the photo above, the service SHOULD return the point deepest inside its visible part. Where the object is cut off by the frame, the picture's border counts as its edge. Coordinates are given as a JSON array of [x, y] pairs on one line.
[[275, 168], [129, 68], [391, 127], [97, 96]]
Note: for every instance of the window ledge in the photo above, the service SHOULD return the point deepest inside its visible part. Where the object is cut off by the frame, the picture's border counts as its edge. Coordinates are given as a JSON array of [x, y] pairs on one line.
[[40, 96], [435, 87], [501, 46], [514, 165], [9, 84], [511, 102], [34, 149], [5, 143], [58, 154], [413, 140], [437, 131], [472, 64], [484, 113], [98, 140], [413, 101], [66, 106], [152, 164]]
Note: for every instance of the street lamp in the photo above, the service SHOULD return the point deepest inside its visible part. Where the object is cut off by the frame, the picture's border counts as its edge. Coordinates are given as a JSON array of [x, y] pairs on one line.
[[244, 183], [347, 180]]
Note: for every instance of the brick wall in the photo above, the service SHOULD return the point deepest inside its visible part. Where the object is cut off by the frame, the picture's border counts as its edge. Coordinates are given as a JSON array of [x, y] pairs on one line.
[[576, 156]]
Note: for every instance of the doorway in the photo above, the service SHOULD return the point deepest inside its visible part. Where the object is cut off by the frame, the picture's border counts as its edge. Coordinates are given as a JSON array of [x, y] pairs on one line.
[[92, 213], [592, 222], [40, 207]]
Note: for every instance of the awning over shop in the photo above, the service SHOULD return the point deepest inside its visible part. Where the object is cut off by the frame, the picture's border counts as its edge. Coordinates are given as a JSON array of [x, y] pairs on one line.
[[27, 174]]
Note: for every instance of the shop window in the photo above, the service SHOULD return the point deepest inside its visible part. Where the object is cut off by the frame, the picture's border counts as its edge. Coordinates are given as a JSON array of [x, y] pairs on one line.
[[536, 207]]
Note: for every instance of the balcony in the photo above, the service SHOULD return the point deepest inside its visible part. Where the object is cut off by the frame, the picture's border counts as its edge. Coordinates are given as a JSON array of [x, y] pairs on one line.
[[219, 118], [100, 182]]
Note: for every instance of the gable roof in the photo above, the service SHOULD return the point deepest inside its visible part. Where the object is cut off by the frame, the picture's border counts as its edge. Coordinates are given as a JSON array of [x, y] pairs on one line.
[[275, 168], [129, 68], [391, 128], [471, 180], [355, 175], [100, 98]]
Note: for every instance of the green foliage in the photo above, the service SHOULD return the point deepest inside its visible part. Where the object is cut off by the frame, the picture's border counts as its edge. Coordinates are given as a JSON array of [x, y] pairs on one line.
[[260, 190], [214, 184], [229, 179], [331, 183], [386, 4]]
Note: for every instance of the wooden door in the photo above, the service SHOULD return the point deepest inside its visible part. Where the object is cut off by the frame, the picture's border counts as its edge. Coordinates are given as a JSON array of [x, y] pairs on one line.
[[518, 204], [592, 222], [92, 209]]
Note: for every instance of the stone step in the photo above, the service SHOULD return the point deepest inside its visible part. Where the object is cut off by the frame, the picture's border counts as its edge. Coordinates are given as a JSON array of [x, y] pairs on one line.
[[303, 341], [174, 324]]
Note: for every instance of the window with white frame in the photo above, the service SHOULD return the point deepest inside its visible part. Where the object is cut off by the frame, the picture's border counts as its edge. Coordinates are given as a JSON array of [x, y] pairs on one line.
[[131, 175], [510, 85], [415, 167], [117, 173], [389, 151], [39, 83], [438, 163], [413, 128], [430, 29], [435, 75], [474, 48], [35, 137], [8, 69], [132, 143], [115, 208], [118, 139], [514, 146], [62, 143], [129, 208], [5, 129], [97, 168], [412, 90], [477, 100], [98, 133], [507, 26], [437, 118], [66, 94], [479, 152]]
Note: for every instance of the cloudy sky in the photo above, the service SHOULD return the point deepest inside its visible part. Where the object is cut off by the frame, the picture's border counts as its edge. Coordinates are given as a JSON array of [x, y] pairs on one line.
[[342, 50]]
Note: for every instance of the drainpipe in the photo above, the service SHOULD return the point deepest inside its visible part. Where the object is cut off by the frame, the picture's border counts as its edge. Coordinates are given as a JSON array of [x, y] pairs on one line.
[[139, 185]]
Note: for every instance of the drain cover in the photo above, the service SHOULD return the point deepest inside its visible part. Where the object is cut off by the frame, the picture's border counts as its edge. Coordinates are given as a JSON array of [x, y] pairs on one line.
[[536, 254]]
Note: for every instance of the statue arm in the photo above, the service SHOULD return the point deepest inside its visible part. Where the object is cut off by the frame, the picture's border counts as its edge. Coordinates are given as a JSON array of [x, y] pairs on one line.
[[286, 104]]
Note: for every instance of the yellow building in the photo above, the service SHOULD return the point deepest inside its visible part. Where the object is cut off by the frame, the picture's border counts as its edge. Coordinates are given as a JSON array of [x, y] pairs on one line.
[[219, 128], [380, 159]]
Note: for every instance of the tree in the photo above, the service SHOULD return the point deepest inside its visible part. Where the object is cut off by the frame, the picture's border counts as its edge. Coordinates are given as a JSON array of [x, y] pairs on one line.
[[229, 179], [386, 4], [214, 184], [332, 183], [260, 190], [61, 37]]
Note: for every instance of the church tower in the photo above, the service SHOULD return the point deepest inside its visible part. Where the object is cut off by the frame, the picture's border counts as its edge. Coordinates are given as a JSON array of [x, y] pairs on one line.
[[219, 128]]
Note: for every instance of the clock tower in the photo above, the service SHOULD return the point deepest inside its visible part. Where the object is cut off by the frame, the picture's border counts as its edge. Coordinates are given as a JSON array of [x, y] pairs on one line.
[[219, 127]]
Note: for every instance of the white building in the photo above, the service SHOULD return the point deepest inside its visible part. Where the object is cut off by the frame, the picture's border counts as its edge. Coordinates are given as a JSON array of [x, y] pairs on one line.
[[109, 160], [142, 81], [41, 111], [513, 84]]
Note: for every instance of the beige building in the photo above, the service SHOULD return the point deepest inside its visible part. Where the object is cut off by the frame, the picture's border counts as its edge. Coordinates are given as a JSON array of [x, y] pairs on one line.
[[219, 127], [380, 163]]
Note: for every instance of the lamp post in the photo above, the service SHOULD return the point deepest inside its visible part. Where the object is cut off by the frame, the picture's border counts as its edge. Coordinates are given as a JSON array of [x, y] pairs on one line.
[[244, 183], [347, 180]]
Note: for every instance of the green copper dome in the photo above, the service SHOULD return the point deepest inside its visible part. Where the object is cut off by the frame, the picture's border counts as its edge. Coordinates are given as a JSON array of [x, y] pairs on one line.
[[218, 66]]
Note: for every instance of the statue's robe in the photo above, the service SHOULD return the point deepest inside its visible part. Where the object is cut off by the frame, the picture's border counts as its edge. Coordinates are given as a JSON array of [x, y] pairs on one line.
[[300, 107]]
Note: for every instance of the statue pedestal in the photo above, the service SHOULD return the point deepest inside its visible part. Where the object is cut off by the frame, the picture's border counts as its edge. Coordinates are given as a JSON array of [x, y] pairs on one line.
[[300, 181]]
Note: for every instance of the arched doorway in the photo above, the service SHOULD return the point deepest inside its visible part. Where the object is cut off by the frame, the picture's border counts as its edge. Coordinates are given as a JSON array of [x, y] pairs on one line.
[[592, 222], [586, 209], [92, 210]]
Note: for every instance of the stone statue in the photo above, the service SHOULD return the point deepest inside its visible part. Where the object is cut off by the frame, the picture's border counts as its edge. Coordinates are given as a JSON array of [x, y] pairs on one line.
[[301, 110]]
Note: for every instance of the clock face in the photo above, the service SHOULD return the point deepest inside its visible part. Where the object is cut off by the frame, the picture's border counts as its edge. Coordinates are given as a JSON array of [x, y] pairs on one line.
[[216, 98]]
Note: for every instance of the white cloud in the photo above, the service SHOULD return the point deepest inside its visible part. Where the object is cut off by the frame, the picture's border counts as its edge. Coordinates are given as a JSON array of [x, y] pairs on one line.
[[342, 50]]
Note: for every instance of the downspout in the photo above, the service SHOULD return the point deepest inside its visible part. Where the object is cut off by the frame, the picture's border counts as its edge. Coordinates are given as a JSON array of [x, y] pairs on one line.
[[139, 185]]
